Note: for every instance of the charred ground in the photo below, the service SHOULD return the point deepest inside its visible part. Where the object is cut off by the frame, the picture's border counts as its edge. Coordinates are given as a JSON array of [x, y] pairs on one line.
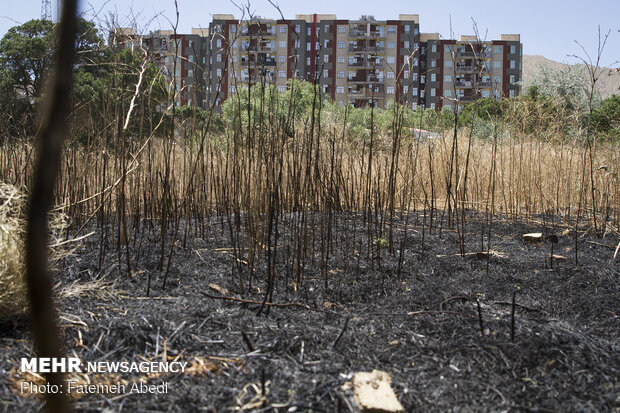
[[421, 326]]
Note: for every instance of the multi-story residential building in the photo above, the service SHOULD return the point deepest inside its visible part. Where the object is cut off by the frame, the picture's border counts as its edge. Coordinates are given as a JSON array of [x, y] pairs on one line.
[[181, 58], [360, 62], [456, 72]]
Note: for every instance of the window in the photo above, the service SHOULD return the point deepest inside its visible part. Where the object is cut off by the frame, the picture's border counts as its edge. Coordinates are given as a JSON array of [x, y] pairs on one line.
[[497, 79], [448, 93], [433, 77], [342, 29], [281, 59], [190, 43], [447, 78], [433, 63], [390, 59], [390, 75], [497, 65], [415, 61], [389, 90], [513, 49], [340, 89], [433, 92], [406, 74], [422, 93], [351, 74], [309, 31], [434, 48], [497, 49], [297, 28], [485, 94], [341, 45], [407, 28], [391, 29], [447, 48], [190, 73], [281, 74], [282, 29], [405, 60], [281, 89], [326, 28], [513, 64], [218, 72], [414, 76], [448, 63], [218, 42], [511, 93], [282, 44], [340, 59], [218, 58], [233, 29], [432, 106], [326, 58], [416, 31], [405, 89], [307, 61], [325, 73], [391, 45], [422, 79], [308, 46], [233, 89], [406, 44], [512, 78], [190, 58], [414, 91]]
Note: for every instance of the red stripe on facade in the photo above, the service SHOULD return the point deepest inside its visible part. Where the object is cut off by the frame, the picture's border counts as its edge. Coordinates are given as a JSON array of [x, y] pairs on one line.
[[313, 49]]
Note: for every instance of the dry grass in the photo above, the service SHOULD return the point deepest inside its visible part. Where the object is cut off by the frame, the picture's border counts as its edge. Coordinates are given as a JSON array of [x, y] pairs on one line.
[[13, 292], [13, 295]]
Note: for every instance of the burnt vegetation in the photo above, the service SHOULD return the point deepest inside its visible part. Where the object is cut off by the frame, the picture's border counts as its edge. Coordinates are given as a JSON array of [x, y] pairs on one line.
[[283, 242]]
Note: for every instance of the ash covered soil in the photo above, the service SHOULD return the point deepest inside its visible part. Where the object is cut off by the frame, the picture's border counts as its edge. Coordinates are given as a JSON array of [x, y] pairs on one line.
[[422, 326]]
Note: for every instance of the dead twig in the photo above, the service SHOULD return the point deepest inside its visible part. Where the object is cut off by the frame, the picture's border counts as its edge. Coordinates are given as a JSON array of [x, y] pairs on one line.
[[246, 301]]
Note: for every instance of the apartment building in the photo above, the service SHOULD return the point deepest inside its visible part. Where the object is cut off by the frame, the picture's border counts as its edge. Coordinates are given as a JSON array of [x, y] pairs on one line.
[[359, 62], [456, 72], [182, 59]]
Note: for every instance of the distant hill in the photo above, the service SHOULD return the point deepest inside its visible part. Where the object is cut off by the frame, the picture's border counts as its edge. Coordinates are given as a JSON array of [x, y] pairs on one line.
[[608, 84]]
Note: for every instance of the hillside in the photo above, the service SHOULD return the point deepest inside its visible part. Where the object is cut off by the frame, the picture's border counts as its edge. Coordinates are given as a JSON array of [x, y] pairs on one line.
[[609, 82]]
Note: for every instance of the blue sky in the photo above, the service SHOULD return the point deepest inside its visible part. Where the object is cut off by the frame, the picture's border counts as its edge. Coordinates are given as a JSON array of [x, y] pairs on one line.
[[547, 28]]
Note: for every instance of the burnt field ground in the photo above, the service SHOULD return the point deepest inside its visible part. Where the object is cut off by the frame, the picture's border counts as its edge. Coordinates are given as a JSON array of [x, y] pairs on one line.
[[422, 325]]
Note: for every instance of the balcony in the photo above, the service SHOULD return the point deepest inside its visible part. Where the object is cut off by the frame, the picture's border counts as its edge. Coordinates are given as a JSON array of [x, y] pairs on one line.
[[467, 68], [466, 99], [259, 63]]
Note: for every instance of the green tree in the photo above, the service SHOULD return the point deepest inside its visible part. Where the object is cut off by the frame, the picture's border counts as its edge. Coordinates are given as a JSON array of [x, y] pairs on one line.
[[606, 117], [26, 53]]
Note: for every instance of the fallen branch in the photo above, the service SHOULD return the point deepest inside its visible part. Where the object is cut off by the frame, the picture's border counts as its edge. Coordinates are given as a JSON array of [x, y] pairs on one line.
[[245, 301], [517, 305], [611, 247]]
